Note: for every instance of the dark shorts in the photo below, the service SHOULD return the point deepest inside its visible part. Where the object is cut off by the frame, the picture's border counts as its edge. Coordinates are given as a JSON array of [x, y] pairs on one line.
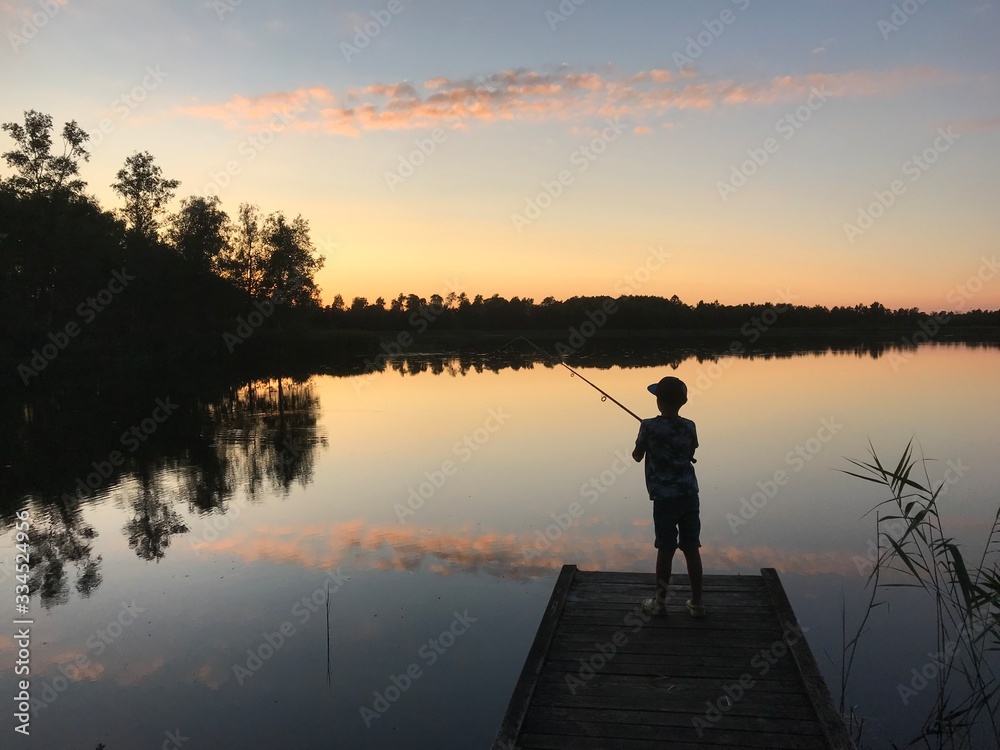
[[677, 523]]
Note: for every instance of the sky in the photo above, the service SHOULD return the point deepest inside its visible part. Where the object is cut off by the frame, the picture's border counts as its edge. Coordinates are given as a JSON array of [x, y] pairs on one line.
[[826, 153]]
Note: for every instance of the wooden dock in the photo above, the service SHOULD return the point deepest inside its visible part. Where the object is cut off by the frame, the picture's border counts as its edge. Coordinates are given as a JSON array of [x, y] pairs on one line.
[[603, 675]]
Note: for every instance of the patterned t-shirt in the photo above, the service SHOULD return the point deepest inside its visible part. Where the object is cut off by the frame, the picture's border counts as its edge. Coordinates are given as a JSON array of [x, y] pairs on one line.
[[669, 444]]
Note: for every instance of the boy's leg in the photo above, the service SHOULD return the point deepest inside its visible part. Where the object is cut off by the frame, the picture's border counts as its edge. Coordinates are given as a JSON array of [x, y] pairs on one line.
[[664, 564], [693, 559], [665, 529], [690, 541]]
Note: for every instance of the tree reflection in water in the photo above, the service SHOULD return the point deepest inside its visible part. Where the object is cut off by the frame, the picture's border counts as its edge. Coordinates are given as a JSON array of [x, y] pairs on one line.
[[257, 438]]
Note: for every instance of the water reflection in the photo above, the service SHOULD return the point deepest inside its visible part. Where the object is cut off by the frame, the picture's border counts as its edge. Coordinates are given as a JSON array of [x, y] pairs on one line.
[[61, 549], [518, 557], [240, 504], [153, 520], [257, 439]]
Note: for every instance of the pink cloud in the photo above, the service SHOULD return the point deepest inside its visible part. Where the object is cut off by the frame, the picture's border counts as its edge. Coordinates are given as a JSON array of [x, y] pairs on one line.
[[243, 111], [516, 556], [563, 95]]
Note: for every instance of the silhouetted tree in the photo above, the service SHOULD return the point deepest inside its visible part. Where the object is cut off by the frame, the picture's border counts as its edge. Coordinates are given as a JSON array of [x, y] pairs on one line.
[[201, 232], [290, 261], [243, 262], [146, 193], [37, 170]]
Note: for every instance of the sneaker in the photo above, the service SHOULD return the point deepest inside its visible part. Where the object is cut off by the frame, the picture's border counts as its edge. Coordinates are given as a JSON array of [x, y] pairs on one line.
[[654, 607], [696, 610]]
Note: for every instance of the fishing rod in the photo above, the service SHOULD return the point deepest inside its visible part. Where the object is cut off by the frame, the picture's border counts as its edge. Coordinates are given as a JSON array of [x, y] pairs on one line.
[[605, 396]]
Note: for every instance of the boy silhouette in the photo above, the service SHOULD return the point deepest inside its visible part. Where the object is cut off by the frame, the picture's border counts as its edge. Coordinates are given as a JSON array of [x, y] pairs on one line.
[[668, 443]]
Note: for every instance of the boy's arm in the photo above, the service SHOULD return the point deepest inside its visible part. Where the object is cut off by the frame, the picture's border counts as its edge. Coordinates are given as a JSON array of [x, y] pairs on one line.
[[640, 444]]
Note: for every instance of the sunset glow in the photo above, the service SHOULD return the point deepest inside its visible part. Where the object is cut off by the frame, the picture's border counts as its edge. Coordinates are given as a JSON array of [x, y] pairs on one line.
[[842, 151]]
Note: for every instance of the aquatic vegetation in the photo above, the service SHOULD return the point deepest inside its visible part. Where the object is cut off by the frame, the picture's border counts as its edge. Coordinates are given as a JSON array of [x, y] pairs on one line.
[[965, 592]]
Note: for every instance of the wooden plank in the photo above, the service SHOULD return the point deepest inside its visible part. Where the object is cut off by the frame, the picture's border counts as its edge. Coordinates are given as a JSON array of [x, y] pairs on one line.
[[669, 735], [678, 658], [679, 641], [665, 688], [773, 712], [831, 720], [585, 577], [520, 700], [555, 668], [676, 618], [671, 718], [557, 742]]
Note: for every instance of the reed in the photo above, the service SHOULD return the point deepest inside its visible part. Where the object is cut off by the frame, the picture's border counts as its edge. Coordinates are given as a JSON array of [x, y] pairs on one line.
[[965, 597]]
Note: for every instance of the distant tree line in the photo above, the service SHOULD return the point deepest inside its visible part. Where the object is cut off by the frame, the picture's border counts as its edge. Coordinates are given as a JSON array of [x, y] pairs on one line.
[[188, 276], [627, 313], [142, 285]]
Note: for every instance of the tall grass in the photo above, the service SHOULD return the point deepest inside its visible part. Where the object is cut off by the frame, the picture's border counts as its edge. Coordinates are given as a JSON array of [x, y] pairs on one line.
[[965, 595]]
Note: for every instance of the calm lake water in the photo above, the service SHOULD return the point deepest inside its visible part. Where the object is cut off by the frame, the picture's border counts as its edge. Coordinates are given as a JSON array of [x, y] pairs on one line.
[[181, 599]]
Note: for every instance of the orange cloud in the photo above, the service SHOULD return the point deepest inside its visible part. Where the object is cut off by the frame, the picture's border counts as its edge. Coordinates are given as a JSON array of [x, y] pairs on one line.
[[273, 109], [135, 673], [562, 95], [520, 556]]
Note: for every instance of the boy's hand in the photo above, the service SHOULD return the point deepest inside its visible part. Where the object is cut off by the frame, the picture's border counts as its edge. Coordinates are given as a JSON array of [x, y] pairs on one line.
[[638, 454]]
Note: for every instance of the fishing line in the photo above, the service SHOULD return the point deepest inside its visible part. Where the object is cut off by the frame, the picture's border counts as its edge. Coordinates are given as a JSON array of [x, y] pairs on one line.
[[605, 396]]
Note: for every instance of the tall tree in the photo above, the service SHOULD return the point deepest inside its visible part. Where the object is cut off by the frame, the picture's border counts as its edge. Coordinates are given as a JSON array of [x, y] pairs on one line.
[[201, 232], [291, 261], [146, 192], [37, 170], [243, 261]]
